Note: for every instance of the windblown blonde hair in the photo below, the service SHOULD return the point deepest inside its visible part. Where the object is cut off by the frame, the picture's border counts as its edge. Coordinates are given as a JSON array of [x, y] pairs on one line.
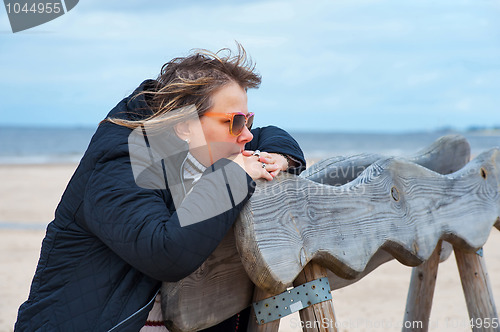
[[191, 81]]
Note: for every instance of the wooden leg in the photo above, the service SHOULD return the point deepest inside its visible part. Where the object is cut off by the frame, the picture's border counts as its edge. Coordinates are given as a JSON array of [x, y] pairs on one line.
[[477, 291], [253, 325], [421, 292], [320, 315]]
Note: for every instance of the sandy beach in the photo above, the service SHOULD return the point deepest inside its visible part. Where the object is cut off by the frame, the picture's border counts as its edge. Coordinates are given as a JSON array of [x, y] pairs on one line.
[[30, 194]]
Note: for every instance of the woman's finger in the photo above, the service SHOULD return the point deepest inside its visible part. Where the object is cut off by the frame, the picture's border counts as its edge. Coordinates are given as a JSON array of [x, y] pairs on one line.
[[271, 167], [280, 160], [265, 155], [274, 173], [266, 175]]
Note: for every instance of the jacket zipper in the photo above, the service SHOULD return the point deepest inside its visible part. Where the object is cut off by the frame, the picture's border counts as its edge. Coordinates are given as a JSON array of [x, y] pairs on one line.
[[135, 313]]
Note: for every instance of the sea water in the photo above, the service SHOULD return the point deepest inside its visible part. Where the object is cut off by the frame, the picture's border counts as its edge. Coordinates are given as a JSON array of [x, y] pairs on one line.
[[66, 145]]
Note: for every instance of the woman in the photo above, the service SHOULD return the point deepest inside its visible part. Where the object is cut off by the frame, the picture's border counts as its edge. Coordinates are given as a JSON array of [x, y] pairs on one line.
[[141, 209]]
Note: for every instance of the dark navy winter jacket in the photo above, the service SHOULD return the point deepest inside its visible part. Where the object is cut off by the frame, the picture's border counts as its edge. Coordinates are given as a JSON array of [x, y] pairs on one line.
[[113, 241]]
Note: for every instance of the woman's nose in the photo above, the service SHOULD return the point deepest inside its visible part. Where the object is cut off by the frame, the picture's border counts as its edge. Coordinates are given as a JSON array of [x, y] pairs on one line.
[[245, 136]]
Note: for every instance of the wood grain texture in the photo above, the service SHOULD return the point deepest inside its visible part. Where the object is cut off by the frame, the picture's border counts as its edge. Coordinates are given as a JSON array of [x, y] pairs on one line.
[[395, 205], [477, 290], [321, 316], [218, 289], [222, 277], [379, 258], [423, 277], [421, 292], [446, 155]]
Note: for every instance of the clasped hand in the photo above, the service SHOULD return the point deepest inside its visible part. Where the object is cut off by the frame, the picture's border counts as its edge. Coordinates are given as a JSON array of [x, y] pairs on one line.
[[264, 165]]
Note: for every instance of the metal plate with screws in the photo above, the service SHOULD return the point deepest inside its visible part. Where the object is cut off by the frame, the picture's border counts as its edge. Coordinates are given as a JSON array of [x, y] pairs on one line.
[[290, 301]]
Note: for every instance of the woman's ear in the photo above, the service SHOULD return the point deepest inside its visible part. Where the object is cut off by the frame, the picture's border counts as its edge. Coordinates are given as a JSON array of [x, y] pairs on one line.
[[183, 130]]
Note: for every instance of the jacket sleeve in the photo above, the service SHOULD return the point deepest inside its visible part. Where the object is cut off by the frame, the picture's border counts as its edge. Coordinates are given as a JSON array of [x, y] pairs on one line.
[[275, 140], [166, 244]]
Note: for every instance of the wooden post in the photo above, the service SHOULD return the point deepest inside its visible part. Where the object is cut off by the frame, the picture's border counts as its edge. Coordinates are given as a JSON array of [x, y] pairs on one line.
[[321, 315], [253, 325], [477, 290], [421, 292]]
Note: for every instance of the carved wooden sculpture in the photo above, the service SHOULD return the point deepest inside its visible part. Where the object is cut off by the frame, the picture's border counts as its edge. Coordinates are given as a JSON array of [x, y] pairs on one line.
[[393, 205], [447, 155]]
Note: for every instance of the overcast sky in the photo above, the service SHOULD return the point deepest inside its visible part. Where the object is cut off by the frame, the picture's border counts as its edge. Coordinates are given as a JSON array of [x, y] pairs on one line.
[[326, 65]]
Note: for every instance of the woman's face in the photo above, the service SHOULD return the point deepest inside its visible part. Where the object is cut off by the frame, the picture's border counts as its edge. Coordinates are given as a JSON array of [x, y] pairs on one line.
[[215, 141]]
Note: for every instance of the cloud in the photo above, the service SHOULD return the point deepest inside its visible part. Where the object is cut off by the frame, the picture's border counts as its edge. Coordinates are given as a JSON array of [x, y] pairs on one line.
[[359, 58]]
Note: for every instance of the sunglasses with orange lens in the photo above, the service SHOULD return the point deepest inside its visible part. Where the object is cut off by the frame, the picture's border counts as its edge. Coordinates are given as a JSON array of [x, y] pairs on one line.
[[238, 121]]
